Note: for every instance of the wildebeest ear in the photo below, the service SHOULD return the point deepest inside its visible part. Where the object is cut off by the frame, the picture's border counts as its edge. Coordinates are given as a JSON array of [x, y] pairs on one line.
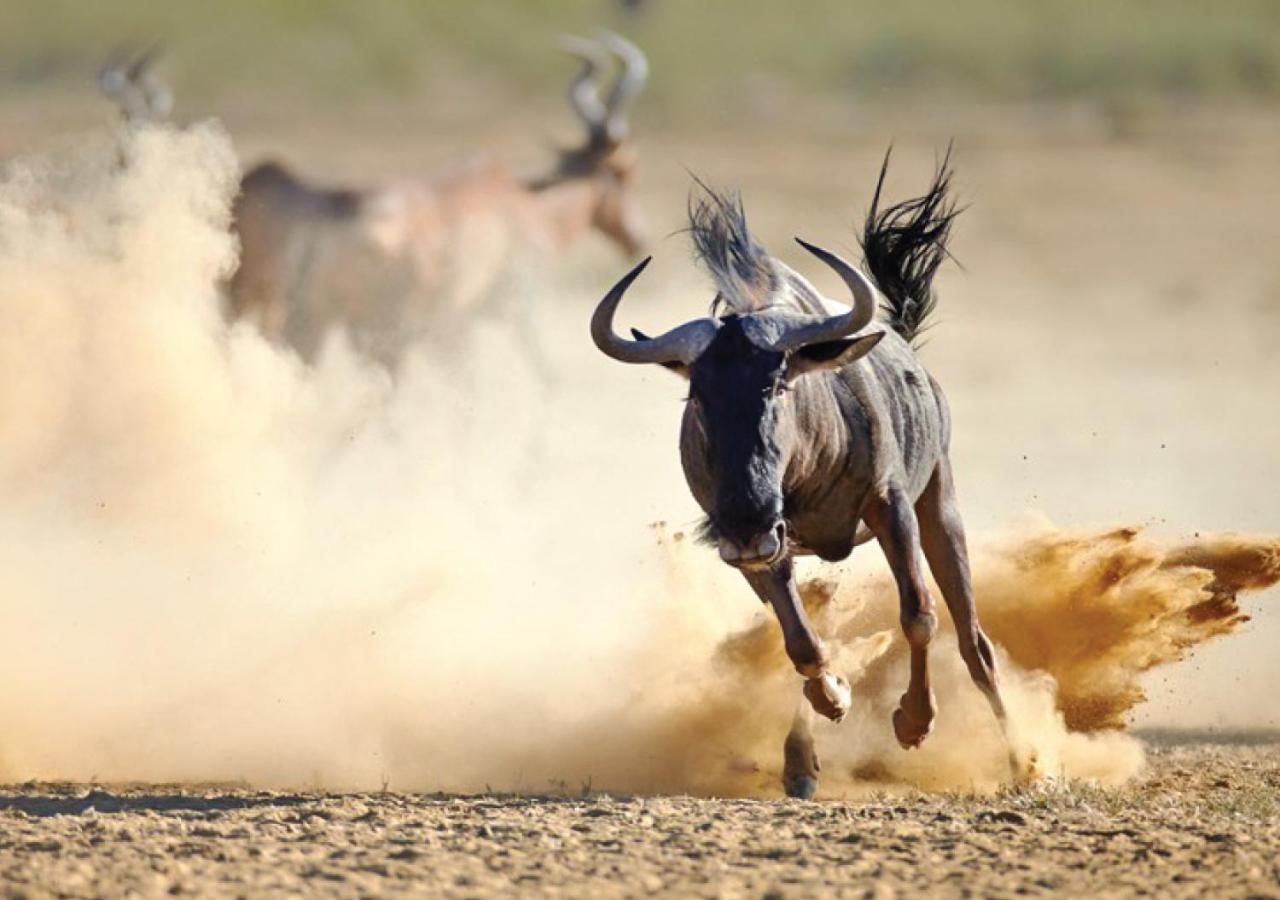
[[679, 368], [831, 354]]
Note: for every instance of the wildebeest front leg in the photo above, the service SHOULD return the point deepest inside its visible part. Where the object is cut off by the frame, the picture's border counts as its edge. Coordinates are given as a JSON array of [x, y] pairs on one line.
[[893, 521], [828, 693]]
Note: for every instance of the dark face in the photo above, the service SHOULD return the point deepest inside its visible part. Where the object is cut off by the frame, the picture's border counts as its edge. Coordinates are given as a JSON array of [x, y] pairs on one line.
[[736, 391]]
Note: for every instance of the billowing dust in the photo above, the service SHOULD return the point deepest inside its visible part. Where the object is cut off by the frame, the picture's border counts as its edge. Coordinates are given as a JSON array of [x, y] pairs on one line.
[[218, 563]]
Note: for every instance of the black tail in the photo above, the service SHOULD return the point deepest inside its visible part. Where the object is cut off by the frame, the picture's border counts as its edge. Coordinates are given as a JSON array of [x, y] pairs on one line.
[[905, 244]]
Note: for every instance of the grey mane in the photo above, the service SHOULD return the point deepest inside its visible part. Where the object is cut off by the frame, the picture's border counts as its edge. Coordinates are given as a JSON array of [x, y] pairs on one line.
[[743, 271]]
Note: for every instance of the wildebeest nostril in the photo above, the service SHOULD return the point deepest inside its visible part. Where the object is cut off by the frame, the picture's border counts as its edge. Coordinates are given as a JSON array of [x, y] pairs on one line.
[[729, 551], [769, 543]]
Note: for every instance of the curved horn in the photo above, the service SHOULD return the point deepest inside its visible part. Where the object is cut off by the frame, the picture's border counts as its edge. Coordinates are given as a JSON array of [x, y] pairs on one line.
[[584, 90], [111, 77], [834, 327], [682, 344], [141, 65], [631, 80]]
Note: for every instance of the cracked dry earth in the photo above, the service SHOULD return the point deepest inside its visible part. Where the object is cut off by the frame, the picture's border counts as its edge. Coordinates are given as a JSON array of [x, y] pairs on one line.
[[1203, 821]]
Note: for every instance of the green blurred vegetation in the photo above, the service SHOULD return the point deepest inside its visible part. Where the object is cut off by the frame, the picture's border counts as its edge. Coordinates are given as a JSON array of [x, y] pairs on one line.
[[711, 58]]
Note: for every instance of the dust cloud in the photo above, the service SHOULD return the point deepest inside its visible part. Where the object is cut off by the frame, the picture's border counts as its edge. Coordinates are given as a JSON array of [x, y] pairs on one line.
[[218, 563]]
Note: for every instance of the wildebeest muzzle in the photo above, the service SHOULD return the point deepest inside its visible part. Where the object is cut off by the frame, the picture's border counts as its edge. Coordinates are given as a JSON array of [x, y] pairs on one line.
[[762, 551]]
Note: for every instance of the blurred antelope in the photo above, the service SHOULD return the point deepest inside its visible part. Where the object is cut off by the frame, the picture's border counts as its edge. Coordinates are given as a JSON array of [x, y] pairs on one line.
[[142, 97], [391, 263]]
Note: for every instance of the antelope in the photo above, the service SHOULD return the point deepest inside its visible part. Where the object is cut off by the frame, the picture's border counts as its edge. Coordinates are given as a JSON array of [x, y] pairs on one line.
[[811, 428], [435, 251]]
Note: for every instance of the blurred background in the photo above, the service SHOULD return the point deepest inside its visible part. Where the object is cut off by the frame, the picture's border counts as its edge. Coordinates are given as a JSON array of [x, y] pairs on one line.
[[1107, 337]]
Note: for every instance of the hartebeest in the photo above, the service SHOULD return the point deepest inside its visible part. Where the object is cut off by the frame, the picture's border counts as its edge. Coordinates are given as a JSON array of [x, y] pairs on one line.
[[810, 428], [441, 248]]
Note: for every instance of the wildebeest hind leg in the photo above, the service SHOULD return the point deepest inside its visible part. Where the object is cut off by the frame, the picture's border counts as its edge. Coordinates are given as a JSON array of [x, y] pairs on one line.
[[943, 540], [893, 521]]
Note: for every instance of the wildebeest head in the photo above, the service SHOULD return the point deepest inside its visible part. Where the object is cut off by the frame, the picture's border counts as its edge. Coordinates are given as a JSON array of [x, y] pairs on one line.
[[747, 372]]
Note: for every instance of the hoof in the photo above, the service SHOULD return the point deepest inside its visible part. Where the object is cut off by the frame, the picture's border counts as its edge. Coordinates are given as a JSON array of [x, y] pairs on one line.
[[829, 695], [802, 787], [910, 732], [1026, 771]]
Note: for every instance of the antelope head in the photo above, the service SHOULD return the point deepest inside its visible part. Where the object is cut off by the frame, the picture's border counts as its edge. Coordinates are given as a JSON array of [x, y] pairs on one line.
[[133, 85], [606, 161]]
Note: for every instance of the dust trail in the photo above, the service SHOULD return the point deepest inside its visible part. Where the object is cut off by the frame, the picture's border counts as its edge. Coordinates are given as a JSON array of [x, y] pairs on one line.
[[1078, 617], [218, 563]]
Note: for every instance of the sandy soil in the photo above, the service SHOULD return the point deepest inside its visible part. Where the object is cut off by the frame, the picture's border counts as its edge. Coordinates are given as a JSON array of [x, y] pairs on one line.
[[1203, 820]]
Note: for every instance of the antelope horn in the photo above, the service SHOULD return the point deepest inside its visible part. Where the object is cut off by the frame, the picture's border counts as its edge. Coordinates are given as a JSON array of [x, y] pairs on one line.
[[111, 77], [630, 81], [834, 327], [584, 90], [682, 344], [141, 66]]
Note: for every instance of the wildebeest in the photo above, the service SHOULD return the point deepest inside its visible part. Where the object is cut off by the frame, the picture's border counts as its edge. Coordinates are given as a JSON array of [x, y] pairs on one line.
[[810, 428], [440, 247]]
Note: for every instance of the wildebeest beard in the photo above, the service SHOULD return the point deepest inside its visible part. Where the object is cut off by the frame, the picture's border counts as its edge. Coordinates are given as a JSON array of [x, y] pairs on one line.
[[734, 391]]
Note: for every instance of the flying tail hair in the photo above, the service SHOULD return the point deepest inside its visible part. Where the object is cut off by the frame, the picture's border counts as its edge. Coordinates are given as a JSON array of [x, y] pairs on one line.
[[744, 274], [904, 245]]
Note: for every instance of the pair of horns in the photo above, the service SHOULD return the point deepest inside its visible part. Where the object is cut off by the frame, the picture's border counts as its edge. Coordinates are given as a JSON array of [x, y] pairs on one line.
[[132, 84], [685, 343], [605, 116]]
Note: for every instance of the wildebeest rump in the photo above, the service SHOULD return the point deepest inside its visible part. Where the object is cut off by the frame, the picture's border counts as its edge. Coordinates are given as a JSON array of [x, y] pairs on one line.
[[809, 430]]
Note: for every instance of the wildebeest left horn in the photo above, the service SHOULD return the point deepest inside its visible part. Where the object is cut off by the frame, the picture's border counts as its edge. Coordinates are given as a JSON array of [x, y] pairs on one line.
[[682, 344], [834, 327]]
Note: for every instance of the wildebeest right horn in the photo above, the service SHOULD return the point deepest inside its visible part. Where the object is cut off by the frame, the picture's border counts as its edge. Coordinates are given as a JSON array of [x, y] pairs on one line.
[[682, 344], [834, 327]]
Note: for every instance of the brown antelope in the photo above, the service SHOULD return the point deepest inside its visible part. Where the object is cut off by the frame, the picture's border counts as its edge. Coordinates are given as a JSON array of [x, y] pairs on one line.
[[390, 263]]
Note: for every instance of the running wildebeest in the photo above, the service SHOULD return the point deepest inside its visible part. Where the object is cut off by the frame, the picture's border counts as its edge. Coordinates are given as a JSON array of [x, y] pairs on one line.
[[809, 429]]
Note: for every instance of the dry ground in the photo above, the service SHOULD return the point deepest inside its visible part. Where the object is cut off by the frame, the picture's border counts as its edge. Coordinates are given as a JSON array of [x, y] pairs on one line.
[[1203, 821]]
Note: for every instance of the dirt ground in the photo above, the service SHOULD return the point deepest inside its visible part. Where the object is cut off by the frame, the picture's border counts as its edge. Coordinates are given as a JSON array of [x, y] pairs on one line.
[[1204, 820]]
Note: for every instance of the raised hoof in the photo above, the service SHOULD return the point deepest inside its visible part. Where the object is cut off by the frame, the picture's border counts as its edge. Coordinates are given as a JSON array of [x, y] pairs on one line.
[[801, 787], [829, 695], [910, 732]]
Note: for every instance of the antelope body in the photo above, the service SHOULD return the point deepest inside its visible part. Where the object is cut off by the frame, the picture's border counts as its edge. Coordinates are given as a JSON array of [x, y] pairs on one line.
[[807, 432]]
